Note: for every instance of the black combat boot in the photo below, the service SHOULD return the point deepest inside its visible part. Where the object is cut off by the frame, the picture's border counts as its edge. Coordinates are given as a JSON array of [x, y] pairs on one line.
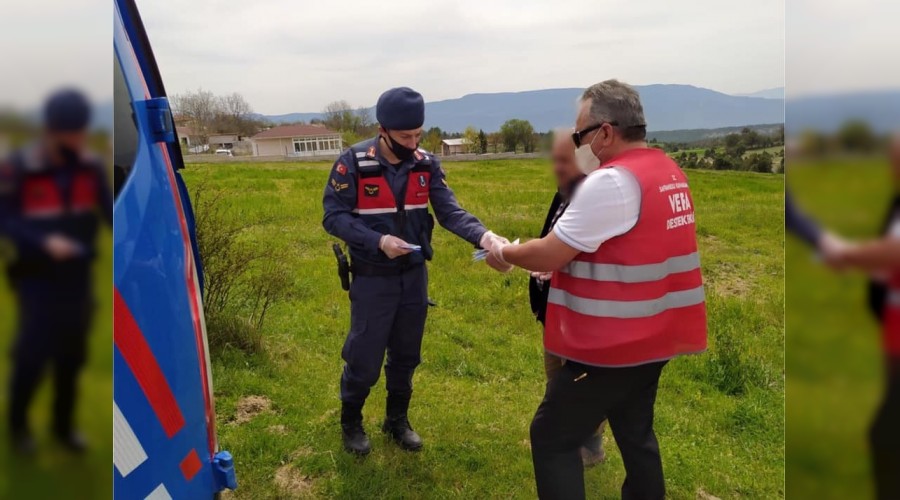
[[397, 425], [72, 441], [355, 439], [23, 443]]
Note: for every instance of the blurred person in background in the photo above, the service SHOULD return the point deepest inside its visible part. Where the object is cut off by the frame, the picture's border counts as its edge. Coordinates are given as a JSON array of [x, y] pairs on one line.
[[53, 197], [568, 178], [881, 259]]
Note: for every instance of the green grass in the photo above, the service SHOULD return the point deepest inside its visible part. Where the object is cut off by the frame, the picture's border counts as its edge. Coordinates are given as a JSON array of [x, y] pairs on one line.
[[55, 473], [834, 361], [720, 416]]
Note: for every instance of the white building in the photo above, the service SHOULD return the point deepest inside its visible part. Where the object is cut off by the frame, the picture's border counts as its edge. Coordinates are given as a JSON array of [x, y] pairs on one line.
[[454, 146], [297, 140]]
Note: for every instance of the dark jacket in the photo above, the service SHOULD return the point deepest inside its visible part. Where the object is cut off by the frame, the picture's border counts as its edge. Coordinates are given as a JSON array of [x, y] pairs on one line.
[[362, 234], [37, 200], [538, 293], [799, 223], [877, 289]]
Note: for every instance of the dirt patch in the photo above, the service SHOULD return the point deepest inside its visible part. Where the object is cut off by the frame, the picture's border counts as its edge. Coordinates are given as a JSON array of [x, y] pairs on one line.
[[702, 495], [727, 281], [301, 452], [278, 430], [249, 407], [731, 286], [293, 483], [327, 415]]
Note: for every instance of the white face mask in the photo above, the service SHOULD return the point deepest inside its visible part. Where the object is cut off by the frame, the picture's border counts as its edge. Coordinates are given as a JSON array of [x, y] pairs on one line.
[[585, 158]]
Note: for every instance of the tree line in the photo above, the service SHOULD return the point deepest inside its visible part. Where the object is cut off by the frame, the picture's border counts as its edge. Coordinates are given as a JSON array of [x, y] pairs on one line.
[[855, 137], [208, 114], [731, 152]]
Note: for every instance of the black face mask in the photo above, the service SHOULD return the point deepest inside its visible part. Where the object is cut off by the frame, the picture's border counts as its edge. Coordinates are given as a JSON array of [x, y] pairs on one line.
[[69, 156], [402, 152]]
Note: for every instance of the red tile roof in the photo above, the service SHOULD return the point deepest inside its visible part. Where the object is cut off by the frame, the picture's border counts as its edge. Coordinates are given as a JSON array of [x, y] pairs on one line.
[[293, 131]]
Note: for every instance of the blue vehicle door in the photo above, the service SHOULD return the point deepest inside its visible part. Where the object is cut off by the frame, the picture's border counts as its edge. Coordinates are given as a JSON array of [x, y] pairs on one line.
[[164, 414]]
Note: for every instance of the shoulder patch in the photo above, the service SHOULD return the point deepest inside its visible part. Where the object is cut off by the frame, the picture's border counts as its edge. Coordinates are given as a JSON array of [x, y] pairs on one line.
[[340, 168], [338, 186]]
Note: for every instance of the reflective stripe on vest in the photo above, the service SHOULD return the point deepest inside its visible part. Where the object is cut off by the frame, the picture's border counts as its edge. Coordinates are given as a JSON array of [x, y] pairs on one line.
[[626, 309], [632, 274], [893, 298]]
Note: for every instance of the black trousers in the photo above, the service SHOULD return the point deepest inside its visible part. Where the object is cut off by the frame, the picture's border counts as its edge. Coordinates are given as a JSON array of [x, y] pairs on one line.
[[577, 400], [54, 320], [884, 440], [387, 315]]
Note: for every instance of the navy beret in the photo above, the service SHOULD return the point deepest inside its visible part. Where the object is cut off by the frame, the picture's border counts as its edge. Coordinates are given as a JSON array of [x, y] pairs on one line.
[[66, 111], [401, 108]]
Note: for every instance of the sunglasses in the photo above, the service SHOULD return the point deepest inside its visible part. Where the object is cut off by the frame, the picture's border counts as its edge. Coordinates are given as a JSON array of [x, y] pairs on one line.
[[578, 135]]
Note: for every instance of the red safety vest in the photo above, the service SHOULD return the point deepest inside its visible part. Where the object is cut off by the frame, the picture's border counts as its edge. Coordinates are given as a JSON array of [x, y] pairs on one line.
[[41, 197], [374, 195], [639, 298], [891, 323]]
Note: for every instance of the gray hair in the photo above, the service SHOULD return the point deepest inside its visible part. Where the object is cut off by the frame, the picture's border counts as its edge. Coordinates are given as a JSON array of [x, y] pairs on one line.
[[614, 101]]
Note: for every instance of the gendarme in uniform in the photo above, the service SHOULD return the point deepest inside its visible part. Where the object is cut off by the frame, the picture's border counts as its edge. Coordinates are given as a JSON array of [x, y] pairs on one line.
[[366, 198]]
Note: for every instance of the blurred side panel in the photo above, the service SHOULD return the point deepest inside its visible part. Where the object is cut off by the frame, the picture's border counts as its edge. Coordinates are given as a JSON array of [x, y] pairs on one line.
[[842, 111], [56, 125]]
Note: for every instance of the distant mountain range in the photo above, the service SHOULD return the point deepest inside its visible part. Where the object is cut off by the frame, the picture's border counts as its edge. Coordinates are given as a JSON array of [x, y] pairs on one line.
[[666, 107], [776, 93], [880, 109]]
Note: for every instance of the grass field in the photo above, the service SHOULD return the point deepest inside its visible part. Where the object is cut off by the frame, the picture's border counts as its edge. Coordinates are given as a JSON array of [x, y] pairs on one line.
[[720, 416], [834, 364], [55, 473]]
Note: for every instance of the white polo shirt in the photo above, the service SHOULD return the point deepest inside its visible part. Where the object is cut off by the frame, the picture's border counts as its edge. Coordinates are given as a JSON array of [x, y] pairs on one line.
[[606, 205]]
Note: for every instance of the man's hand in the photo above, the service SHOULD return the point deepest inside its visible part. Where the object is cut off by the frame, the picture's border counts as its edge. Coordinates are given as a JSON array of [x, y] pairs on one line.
[[488, 242], [541, 276], [492, 261], [495, 257], [393, 246], [833, 249], [61, 247], [489, 238]]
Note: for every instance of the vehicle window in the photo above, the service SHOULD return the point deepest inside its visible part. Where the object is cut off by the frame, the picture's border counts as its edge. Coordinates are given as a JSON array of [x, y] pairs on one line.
[[126, 132]]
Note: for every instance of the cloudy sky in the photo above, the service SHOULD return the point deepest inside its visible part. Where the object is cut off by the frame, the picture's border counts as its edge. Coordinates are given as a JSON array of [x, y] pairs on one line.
[[839, 45], [289, 56], [46, 45]]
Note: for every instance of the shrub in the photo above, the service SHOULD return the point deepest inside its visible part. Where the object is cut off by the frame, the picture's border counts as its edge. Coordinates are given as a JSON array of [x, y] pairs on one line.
[[242, 281]]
